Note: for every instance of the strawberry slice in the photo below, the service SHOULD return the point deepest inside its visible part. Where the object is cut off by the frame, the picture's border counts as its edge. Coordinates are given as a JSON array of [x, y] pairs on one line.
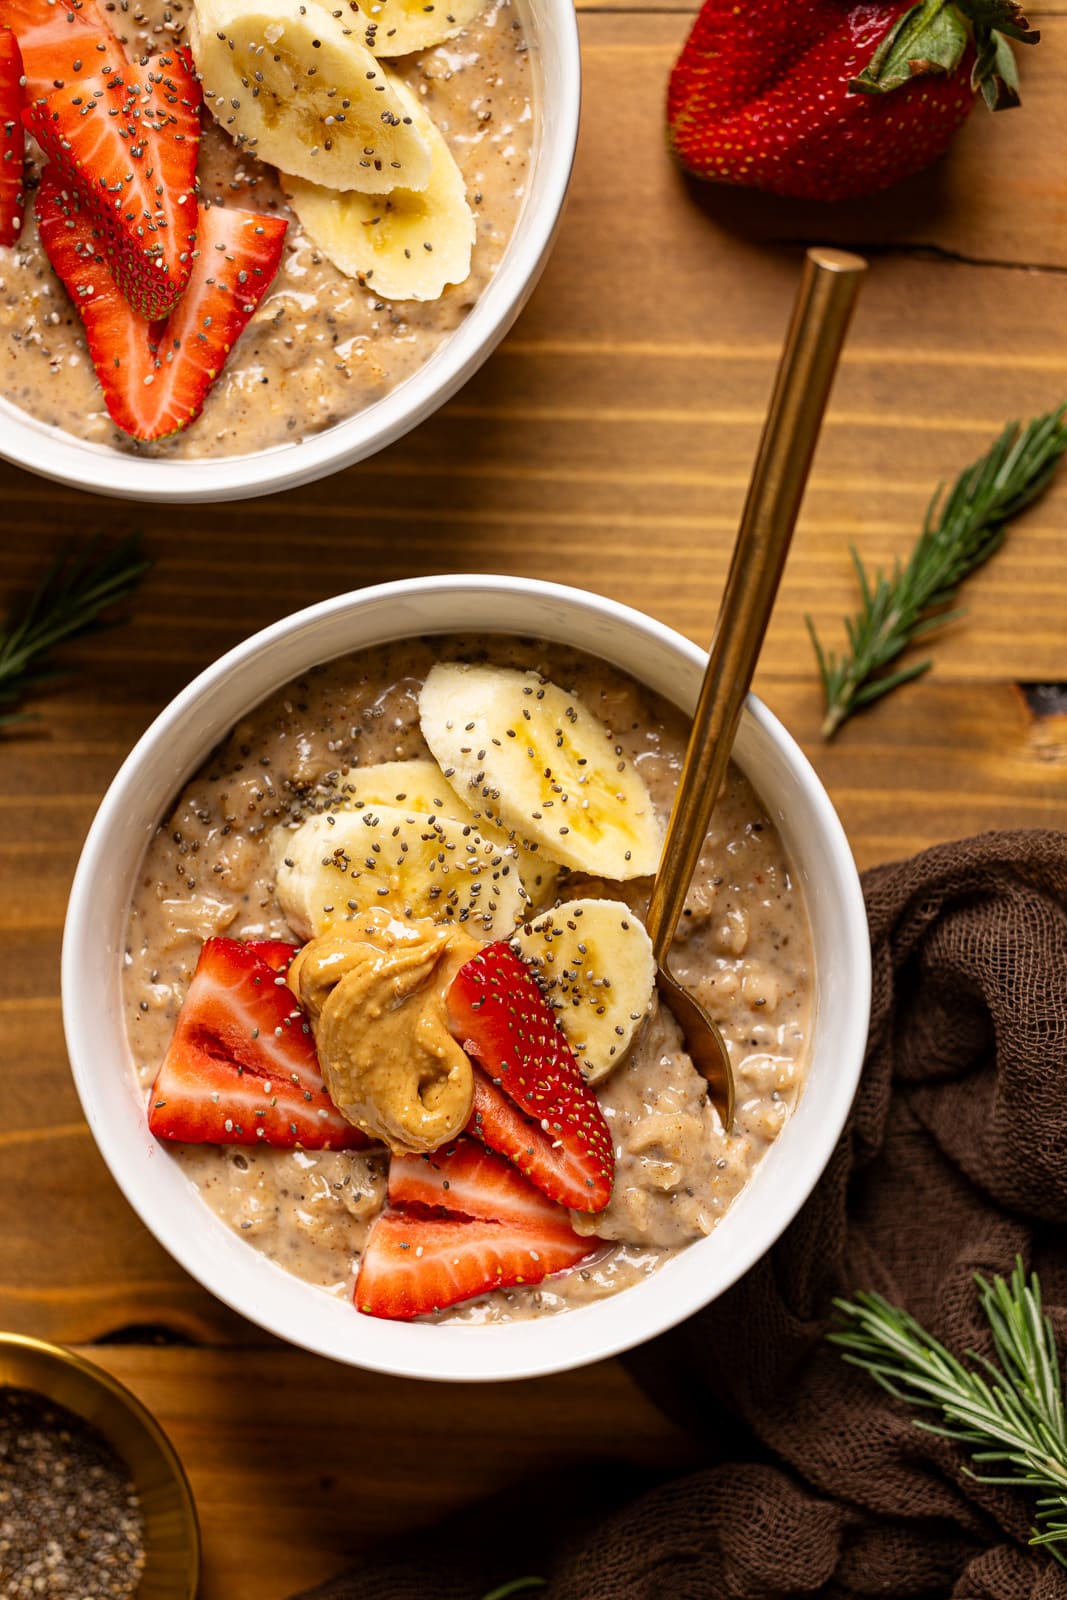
[[12, 139], [241, 1067], [156, 376], [23, 16], [505, 1233], [549, 1162], [277, 953], [411, 1266], [60, 42], [56, 54], [506, 1025], [127, 143], [466, 1179]]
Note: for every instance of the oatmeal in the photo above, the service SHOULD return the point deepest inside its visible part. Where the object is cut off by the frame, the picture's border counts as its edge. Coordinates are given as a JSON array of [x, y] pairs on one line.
[[743, 948], [321, 346]]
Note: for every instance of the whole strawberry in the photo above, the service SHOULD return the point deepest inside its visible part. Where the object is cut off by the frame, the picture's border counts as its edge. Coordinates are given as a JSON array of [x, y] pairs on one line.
[[828, 99]]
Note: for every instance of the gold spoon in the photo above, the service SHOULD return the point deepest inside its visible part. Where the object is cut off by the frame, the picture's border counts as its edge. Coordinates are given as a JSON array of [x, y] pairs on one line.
[[813, 344]]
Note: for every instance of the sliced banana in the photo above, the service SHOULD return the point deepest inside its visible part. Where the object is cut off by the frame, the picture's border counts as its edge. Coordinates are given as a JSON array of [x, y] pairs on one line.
[[594, 961], [406, 245], [532, 759], [415, 786], [295, 87], [338, 863], [396, 27], [540, 877], [418, 786]]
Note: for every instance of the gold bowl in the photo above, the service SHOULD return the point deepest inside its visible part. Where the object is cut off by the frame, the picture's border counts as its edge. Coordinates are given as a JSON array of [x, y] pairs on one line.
[[172, 1533]]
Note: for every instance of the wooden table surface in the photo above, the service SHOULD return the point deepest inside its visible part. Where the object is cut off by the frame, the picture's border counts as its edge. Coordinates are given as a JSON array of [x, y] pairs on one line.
[[607, 443]]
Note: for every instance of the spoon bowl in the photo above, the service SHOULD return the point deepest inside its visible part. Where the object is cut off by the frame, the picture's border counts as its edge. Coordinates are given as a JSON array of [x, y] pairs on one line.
[[703, 1040]]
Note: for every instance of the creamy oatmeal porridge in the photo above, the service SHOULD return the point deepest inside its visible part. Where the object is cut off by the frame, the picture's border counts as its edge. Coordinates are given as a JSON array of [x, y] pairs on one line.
[[215, 868], [322, 345]]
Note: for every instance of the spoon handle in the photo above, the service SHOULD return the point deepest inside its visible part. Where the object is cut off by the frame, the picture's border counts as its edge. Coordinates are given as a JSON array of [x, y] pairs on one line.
[[816, 333]]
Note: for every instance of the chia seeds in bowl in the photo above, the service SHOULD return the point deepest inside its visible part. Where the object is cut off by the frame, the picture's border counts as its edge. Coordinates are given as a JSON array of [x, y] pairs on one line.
[[71, 1525], [94, 1504]]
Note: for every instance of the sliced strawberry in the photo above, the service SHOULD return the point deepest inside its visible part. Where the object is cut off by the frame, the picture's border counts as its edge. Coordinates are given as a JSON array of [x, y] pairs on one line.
[[502, 1232], [12, 139], [119, 339], [23, 16], [466, 1179], [548, 1162], [504, 1022], [127, 143], [54, 55], [155, 377], [411, 1266], [60, 42], [277, 953], [241, 1067]]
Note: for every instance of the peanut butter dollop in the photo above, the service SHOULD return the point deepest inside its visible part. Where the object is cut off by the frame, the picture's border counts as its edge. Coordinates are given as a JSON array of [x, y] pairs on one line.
[[375, 995]]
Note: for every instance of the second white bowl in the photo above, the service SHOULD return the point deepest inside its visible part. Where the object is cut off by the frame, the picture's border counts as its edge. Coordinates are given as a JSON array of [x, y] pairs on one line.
[[552, 35]]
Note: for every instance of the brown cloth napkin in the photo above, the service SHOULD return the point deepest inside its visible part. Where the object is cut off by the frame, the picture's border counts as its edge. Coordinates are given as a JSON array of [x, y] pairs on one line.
[[954, 1160]]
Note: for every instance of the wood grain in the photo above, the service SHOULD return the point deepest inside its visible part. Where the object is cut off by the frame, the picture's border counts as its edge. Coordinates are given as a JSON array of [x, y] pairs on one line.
[[607, 444], [367, 1459]]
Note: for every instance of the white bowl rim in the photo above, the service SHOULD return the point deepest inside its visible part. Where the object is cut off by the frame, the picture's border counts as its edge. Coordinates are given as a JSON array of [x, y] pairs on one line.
[[481, 1355], [53, 453]]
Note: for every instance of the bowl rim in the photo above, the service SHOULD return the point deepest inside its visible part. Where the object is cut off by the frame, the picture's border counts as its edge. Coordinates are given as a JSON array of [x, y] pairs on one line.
[[478, 1362], [54, 454], [62, 1357]]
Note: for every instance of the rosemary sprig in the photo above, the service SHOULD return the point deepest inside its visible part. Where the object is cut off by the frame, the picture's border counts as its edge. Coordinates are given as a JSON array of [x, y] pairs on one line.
[[960, 532], [69, 601], [1011, 1415]]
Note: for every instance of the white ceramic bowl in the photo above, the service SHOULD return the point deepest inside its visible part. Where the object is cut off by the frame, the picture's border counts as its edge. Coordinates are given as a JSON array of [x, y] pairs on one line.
[[174, 747], [552, 33]]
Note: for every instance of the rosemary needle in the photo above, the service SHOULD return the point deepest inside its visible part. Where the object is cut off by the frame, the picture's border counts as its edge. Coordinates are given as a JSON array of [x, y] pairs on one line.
[[961, 531], [1010, 1415], [69, 601]]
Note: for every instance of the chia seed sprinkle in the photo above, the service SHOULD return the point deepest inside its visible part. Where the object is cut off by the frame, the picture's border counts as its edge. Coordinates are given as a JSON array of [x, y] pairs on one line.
[[70, 1521]]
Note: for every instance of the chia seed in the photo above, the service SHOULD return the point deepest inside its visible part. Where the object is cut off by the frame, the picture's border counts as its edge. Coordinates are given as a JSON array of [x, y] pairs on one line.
[[71, 1526]]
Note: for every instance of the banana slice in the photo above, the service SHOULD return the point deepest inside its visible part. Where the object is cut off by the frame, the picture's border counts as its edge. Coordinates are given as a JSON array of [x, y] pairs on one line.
[[594, 961], [294, 86], [415, 786], [338, 863], [530, 758], [406, 245], [418, 786], [396, 27]]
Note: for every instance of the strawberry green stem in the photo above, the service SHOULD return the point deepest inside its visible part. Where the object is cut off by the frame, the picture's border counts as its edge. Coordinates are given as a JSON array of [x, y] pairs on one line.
[[932, 38]]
